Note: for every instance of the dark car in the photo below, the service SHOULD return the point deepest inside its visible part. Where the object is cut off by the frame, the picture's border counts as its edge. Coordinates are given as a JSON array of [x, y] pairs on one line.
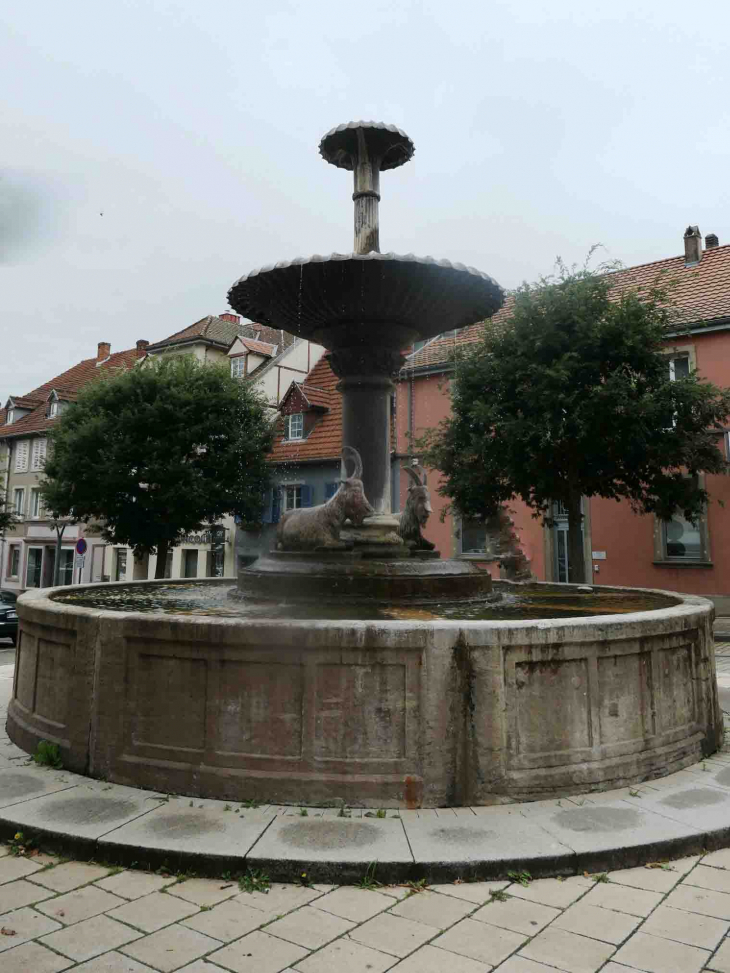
[[8, 616]]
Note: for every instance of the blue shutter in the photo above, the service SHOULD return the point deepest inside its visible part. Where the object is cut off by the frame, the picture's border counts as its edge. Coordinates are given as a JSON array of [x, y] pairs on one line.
[[267, 515], [330, 489], [275, 505], [307, 495]]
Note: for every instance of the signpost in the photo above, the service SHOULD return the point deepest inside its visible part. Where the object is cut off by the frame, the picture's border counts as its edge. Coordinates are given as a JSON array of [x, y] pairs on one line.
[[81, 549]]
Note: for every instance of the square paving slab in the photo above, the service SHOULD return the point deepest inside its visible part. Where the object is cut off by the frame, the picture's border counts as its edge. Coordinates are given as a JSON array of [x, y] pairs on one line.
[[21, 782], [333, 839]]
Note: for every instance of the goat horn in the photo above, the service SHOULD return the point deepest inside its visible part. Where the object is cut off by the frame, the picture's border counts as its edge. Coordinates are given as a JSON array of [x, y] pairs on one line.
[[351, 453], [423, 473], [413, 475]]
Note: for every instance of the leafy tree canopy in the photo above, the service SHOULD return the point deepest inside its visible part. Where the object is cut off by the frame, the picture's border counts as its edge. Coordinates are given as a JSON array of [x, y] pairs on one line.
[[157, 451], [572, 398], [6, 516]]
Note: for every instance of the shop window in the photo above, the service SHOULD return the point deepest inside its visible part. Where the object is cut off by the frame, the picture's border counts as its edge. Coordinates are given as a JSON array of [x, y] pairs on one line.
[[33, 567], [120, 573], [190, 564]]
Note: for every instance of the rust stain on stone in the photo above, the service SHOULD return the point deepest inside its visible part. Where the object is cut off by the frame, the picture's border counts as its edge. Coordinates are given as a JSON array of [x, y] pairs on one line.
[[413, 793]]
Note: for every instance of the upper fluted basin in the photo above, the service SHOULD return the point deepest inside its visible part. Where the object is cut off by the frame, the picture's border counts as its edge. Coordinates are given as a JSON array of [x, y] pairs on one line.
[[307, 295]]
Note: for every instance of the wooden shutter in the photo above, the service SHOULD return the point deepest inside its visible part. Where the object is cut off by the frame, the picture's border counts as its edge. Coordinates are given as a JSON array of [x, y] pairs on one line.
[[330, 489], [21, 457], [307, 494]]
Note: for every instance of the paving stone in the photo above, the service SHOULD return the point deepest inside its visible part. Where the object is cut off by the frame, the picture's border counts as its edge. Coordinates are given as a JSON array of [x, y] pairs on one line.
[[655, 955], [344, 954], [20, 783], [703, 901], [356, 904], [90, 937], [637, 902], [476, 892], [479, 941], [14, 895], [24, 924], [33, 958], [721, 960], [567, 951], [154, 911], [596, 923], [685, 927], [280, 898], [309, 927], [517, 915], [706, 877], [133, 884], [258, 953], [69, 876], [204, 891], [114, 963], [12, 868], [80, 904], [228, 921], [433, 909], [551, 891], [654, 879], [392, 934], [718, 859], [333, 839], [170, 948], [519, 964], [430, 959]]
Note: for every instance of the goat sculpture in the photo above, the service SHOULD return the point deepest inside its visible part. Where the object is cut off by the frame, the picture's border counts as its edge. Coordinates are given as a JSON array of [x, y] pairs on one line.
[[319, 527], [416, 511]]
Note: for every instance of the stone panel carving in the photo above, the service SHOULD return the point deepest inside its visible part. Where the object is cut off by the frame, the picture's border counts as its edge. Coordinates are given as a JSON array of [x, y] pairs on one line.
[[25, 671], [260, 709], [625, 694], [168, 702], [676, 688], [563, 726], [361, 712], [52, 673]]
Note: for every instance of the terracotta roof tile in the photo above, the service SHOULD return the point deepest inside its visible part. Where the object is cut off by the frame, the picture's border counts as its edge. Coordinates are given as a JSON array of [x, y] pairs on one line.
[[325, 440], [259, 347], [67, 384], [701, 294]]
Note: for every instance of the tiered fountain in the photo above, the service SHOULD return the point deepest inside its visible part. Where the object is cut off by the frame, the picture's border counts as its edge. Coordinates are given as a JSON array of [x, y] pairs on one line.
[[309, 690]]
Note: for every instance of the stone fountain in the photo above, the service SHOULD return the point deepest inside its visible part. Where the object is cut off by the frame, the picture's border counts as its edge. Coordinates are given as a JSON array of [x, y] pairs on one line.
[[343, 678]]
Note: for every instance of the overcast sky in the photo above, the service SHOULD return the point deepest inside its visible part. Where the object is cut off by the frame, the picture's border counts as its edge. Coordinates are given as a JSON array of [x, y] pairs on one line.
[[155, 150]]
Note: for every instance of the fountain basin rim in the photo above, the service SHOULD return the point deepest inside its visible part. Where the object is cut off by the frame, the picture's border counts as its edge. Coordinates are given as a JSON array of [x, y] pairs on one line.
[[687, 605], [390, 257]]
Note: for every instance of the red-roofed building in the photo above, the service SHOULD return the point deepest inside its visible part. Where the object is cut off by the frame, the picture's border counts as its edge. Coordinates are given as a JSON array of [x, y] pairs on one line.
[[621, 547]]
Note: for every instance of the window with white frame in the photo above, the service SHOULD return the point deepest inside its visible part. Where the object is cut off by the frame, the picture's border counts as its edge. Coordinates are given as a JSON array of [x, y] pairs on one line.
[[295, 426], [53, 409], [679, 367], [19, 502], [238, 366], [682, 541], [14, 561], [292, 497], [22, 454], [38, 455], [36, 507]]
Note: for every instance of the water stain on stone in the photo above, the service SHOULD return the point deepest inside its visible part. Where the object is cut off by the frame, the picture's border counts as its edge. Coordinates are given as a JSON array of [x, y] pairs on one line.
[[696, 797], [18, 785], [183, 825], [460, 835], [723, 777], [329, 835], [88, 810], [598, 819]]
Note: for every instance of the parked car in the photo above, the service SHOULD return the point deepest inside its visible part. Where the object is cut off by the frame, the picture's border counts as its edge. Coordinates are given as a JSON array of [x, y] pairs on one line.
[[8, 616]]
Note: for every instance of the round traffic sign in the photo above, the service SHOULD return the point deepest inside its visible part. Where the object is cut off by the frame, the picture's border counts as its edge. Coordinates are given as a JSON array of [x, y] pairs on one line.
[[81, 546]]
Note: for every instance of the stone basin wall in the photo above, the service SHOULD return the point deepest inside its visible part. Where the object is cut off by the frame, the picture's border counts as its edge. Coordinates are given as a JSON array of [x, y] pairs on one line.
[[397, 713]]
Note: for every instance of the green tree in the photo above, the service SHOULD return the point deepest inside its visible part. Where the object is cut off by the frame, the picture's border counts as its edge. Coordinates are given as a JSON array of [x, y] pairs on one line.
[[157, 451], [573, 397], [6, 516]]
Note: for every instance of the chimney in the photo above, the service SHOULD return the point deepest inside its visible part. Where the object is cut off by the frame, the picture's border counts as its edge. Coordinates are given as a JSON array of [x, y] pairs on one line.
[[692, 246], [142, 346], [227, 316], [711, 241], [103, 351]]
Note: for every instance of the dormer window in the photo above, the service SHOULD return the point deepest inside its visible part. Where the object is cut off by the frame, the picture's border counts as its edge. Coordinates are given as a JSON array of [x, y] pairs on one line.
[[53, 409], [238, 367], [295, 426]]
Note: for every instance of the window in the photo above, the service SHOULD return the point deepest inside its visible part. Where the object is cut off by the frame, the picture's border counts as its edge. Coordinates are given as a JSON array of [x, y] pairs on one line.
[[14, 561], [168, 565], [473, 536], [120, 571], [19, 502], [238, 366], [292, 497], [38, 458], [295, 426], [36, 507], [190, 564], [53, 409], [66, 567], [682, 539], [679, 367], [33, 568], [21, 457]]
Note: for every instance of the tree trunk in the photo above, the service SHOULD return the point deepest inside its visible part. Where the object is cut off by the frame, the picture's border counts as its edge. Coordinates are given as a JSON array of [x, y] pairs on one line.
[[576, 556], [162, 548]]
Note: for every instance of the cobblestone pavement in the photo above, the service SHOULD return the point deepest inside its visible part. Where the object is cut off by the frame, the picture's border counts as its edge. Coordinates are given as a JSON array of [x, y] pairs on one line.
[[69, 915]]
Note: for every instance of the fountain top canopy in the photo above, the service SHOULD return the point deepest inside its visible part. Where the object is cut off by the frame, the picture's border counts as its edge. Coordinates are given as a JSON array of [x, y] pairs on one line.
[[366, 296]]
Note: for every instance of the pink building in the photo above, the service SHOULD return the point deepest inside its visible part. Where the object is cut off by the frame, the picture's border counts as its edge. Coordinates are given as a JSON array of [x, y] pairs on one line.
[[621, 547]]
